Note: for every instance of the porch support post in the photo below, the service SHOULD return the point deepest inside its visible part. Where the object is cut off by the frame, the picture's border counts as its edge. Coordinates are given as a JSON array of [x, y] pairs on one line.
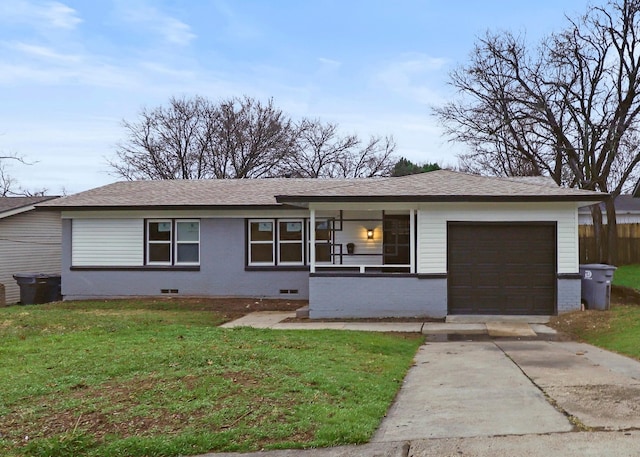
[[412, 241], [312, 240]]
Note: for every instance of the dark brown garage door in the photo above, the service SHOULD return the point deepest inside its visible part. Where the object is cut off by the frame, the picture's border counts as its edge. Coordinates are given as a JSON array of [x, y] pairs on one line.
[[501, 268]]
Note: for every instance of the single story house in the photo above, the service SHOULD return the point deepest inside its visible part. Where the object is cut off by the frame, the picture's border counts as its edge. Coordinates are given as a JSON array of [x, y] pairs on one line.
[[29, 242], [430, 244], [627, 211]]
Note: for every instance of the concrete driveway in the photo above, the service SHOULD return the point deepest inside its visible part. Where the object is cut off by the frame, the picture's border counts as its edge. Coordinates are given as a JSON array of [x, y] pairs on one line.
[[509, 397]]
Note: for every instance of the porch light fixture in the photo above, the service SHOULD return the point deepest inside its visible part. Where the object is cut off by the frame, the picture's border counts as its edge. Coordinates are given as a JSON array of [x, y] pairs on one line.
[[369, 234]]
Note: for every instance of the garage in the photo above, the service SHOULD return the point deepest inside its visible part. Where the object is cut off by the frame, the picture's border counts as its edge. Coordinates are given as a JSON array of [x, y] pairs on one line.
[[501, 268]]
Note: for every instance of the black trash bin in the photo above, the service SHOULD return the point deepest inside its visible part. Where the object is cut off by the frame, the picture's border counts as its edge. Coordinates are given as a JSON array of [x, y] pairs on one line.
[[36, 288], [53, 288]]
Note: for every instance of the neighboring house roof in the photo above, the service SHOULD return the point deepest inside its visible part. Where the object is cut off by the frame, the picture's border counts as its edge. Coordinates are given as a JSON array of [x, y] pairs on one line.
[[440, 185], [15, 205], [625, 204]]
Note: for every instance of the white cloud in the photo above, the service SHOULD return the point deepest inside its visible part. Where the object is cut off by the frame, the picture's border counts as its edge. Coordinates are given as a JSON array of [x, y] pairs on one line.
[[409, 77], [42, 52], [59, 15], [169, 28], [39, 14]]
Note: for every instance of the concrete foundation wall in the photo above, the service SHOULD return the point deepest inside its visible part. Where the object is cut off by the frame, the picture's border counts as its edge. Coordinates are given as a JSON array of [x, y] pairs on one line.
[[569, 294], [222, 271], [377, 296]]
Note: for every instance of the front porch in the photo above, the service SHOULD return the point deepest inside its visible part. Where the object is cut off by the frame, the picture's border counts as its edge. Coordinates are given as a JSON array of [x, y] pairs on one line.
[[363, 241], [364, 265]]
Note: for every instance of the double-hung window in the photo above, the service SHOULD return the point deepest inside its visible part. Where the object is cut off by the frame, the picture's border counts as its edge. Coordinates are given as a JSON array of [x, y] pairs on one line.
[[173, 242], [290, 242], [285, 242], [261, 242]]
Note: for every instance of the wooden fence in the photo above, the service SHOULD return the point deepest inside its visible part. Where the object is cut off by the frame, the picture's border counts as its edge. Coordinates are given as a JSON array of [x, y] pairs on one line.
[[628, 244]]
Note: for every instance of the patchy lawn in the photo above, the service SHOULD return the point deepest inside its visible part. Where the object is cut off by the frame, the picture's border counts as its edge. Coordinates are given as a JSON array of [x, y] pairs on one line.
[[617, 329], [627, 276], [159, 378]]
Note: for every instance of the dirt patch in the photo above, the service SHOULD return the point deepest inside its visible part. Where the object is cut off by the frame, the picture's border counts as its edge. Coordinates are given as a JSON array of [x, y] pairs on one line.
[[577, 322], [621, 295]]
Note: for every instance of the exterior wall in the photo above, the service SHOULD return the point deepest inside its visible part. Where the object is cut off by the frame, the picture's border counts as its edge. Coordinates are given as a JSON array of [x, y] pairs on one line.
[[366, 252], [569, 295], [432, 228], [222, 271], [29, 243], [376, 296]]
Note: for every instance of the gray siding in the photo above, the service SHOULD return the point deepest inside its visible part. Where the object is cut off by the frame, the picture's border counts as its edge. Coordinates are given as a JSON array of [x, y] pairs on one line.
[[569, 295], [29, 243], [361, 297], [222, 271]]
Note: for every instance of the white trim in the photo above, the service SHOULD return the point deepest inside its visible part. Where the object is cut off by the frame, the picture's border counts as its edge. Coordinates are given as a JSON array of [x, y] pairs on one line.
[[412, 241], [149, 242], [301, 242], [312, 240], [178, 242], [272, 242]]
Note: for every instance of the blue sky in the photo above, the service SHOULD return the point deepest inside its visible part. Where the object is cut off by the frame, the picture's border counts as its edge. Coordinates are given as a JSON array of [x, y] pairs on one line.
[[71, 71]]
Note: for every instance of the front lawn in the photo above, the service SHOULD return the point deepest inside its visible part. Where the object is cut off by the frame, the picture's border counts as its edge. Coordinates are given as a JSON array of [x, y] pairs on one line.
[[617, 329], [627, 276], [140, 378]]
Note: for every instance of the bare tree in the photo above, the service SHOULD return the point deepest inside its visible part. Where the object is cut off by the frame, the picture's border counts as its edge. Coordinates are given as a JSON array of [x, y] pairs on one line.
[[194, 138], [567, 108], [322, 152], [8, 185], [242, 138], [166, 143], [248, 139]]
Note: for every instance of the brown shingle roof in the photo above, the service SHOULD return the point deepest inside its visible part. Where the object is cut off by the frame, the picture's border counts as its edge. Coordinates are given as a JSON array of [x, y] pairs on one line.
[[441, 185], [13, 203], [444, 185]]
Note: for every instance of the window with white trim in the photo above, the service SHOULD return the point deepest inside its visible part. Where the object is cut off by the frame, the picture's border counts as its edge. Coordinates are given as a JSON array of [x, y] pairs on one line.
[[290, 242], [261, 242], [285, 242], [173, 242], [187, 242]]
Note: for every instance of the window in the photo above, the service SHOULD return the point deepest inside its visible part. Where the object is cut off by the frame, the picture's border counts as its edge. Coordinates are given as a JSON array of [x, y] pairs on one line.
[[159, 242], [261, 242], [187, 242], [323, 240], [286, 242], [290, 242], [172, 242]]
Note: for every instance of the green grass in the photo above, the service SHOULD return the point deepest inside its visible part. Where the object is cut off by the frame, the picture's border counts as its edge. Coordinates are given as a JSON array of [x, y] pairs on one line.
[[617, 330], [627, 276], [154, 379]]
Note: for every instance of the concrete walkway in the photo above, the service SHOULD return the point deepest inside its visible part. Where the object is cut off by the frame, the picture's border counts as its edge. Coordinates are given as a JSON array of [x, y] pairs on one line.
[[480, 396], [274, 320]]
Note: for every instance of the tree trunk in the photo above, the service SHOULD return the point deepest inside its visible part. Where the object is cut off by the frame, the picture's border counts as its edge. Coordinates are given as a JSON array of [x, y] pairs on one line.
[[598, 229], [612, 232]]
